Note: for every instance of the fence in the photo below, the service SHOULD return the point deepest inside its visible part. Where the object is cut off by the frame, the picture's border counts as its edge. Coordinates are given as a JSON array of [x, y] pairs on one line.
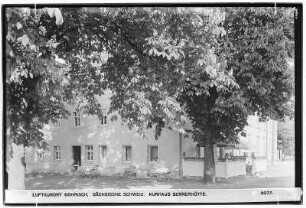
[[224, 169]]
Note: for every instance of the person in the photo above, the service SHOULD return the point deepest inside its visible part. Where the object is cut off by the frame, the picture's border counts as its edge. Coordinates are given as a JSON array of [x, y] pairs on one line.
[[283, 157], [253, 155], [249, 163]]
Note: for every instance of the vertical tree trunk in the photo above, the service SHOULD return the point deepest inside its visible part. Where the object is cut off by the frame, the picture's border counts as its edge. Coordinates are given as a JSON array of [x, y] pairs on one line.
[[209, 164], [15, 166]]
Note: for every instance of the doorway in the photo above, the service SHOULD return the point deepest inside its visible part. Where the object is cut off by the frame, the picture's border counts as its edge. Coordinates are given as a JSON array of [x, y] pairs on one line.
[[76, 150]]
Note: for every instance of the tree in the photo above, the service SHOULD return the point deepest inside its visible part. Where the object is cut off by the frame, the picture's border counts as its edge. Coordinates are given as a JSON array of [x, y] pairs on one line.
[[111, 48], [158, 57], [286, 137], [257, 46], [34, 85], [160, 63], [287, 144]]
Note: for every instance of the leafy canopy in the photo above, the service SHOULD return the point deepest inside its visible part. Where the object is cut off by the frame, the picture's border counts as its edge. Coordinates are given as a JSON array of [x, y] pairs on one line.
[[215, 65]]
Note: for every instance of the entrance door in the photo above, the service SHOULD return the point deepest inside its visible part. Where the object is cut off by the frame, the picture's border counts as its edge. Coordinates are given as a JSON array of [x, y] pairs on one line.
[[76, 155]]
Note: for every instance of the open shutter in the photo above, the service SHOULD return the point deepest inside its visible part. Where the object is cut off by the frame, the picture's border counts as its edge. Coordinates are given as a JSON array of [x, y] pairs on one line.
[[123, 154], [148, 153], [130, 153], [156, 153]]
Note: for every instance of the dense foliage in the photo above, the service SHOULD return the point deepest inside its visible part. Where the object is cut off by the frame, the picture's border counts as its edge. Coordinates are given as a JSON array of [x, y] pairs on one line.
[[215, 66], [34, 79], [286, 137], [257, 48]]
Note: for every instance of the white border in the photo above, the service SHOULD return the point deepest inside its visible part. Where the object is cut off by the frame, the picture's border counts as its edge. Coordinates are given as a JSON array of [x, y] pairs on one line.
[[141, 2]]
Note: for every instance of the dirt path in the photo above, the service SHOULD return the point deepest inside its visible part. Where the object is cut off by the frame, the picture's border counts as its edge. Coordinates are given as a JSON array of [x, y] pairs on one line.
[[281, 174], [281, 169], [76, 182]]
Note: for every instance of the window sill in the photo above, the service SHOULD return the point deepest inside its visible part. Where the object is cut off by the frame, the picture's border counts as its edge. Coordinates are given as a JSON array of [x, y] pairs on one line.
[[78, 126], [103, 126]]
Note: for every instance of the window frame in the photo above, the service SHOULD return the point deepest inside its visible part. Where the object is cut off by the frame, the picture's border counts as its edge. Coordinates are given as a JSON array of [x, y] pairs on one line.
[[104, 120], [150, 150], [89, 152], [125, 153], [57, 152], [40, 154], [199, 151], [76, 118], [104, 117], [102, 149]]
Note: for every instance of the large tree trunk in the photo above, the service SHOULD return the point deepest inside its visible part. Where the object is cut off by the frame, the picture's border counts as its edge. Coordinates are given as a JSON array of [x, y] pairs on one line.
[[15, 166], [209, 164]]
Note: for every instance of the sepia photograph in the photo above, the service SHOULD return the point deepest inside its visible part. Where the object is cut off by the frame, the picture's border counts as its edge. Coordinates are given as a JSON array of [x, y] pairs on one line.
[[128, 103]]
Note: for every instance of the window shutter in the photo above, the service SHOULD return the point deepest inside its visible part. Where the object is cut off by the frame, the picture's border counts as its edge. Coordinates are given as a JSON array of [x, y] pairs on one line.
[[72, 119], [122, 153], [129, 153], [131, 150], [81, 116], [157, 158], [148, 153], [100, 154]]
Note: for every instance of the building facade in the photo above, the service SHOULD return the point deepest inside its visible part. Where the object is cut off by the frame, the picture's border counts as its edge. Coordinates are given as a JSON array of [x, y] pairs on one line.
[[84, 141]]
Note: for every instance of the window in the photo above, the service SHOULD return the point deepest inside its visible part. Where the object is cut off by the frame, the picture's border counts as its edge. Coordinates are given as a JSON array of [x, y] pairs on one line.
[[153, 153], [104, 120], [57, 152], [199, 151], [102, 152], [76, 118], [40, 154], [104, 117], [127, 153], [89, 152], [218, 152]]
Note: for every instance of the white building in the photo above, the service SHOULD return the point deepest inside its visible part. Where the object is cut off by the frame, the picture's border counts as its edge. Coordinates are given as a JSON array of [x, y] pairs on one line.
[[84, 141]]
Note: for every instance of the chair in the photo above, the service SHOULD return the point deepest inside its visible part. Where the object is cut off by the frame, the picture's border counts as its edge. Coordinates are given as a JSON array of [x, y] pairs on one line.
[[130, 172]]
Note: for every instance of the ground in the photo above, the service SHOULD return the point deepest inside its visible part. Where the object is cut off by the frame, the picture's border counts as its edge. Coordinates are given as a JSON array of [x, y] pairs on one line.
[[280, 174]]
